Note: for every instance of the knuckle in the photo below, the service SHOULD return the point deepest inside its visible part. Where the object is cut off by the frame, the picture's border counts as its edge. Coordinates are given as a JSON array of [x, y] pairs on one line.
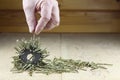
[[46, 19], [56, 22]]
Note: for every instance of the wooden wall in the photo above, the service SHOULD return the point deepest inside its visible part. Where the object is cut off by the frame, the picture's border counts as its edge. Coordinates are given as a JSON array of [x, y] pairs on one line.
[[76, 16]]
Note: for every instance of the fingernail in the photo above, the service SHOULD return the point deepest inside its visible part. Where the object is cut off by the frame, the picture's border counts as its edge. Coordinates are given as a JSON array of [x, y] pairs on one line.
[[31, 30], [37, 32]]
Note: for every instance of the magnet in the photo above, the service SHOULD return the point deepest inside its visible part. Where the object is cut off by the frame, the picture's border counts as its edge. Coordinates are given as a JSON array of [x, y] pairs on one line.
[[34, 59]]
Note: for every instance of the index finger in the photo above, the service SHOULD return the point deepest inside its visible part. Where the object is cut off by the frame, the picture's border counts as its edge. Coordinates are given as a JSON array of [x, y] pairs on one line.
[[29, 10], [46, 11]]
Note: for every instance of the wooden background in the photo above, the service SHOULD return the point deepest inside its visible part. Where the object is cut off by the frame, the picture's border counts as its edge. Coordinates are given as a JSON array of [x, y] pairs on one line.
[[100, 16]]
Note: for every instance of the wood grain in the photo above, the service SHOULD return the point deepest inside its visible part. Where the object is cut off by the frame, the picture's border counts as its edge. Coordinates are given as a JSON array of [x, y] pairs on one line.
[[14, 21], [68, 4], [91, 4]]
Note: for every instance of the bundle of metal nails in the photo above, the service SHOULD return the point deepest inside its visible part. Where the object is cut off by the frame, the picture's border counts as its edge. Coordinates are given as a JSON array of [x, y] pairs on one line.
[[30, 57]]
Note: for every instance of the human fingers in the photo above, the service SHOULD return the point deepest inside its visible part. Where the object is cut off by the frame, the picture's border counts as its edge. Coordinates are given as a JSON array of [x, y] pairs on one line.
[[46, 11], [55, 19], [29, 10]]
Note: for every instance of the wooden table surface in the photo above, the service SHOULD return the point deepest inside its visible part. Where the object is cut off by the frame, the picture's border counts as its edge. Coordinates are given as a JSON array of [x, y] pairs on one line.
[[104, 48]]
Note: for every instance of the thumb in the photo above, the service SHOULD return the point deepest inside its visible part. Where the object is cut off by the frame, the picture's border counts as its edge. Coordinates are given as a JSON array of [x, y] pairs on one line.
[[29, 10], [46, 11]]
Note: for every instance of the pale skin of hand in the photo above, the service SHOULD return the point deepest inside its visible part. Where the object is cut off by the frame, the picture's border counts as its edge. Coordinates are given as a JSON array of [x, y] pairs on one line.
[[48, 10]]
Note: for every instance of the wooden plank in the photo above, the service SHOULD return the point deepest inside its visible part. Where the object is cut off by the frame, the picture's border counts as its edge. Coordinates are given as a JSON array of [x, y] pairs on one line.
[[91, 4], [88, 18], [17, 18], [14, 21], [10, 4], [69, 29], [12, 18], [69, 4]]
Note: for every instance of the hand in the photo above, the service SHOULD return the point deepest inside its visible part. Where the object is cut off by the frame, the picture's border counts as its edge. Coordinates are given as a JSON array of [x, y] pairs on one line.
[[48, 10]]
